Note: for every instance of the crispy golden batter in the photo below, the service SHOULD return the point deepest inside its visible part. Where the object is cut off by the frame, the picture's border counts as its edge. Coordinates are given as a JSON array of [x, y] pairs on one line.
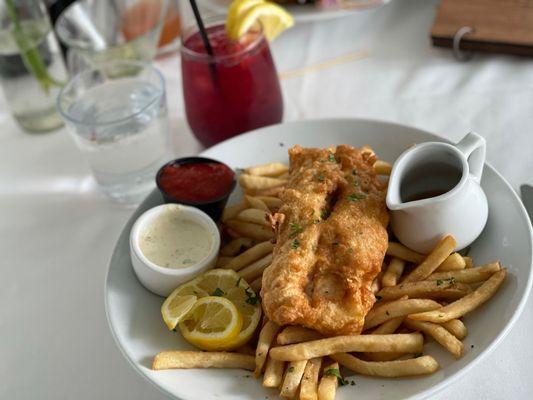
[[331, 241]]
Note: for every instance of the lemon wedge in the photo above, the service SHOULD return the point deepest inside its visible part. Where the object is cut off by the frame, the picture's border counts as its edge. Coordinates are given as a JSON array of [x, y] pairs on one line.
[[175, 307], [273, 18], [236, 9], [212, 323], [224, 283]]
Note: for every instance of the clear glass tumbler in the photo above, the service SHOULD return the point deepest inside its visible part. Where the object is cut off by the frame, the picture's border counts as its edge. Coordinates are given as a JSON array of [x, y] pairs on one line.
[[31, 65], [117, 114], [97, 31]]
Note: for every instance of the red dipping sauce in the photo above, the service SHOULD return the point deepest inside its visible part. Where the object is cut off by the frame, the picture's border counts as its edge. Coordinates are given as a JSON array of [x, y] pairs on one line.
[[196, 182]]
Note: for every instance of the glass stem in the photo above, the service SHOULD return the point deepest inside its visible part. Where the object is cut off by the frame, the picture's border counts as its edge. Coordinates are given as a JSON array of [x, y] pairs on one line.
[[29, 53]]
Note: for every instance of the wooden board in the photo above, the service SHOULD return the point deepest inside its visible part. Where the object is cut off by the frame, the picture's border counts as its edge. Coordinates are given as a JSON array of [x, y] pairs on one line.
[[500, 26]]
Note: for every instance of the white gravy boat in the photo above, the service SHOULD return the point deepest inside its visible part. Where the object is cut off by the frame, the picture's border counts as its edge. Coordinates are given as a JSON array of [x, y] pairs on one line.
[[434, 190]]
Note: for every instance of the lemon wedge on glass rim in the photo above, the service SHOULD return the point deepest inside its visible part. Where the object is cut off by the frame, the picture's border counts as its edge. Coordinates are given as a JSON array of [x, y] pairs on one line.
[[244, 14], [219, 282]]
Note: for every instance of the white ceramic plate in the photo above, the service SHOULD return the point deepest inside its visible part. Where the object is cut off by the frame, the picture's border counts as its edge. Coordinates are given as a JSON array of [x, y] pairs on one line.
[[303, 13], [135, 320]]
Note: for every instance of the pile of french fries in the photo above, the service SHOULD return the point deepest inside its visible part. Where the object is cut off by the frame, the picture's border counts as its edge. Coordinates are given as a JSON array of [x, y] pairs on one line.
[[419, 296]]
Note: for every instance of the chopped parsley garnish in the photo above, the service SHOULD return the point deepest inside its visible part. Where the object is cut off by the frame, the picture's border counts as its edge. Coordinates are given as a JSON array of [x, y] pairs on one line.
[[387, 312], [218, 292], [251, 298], [336, 372], [378, 298], [238, 281], [324, 213], [290, 369], [354, 172], [296, 229], [352, 383], [451, 281], [295, 244], [320, 177], [331, 158], [355, 197]]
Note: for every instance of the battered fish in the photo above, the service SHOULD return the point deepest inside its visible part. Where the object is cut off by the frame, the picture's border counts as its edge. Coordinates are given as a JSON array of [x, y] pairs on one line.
[[331, 240]]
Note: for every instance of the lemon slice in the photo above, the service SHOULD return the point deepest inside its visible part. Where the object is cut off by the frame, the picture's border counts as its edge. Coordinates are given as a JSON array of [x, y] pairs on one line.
[[176, 307], [227, 283], [212, 323], [236, 9], [273, 18]]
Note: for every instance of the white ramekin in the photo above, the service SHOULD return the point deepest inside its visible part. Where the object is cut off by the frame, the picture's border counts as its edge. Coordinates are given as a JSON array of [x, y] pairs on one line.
[[161, 280]]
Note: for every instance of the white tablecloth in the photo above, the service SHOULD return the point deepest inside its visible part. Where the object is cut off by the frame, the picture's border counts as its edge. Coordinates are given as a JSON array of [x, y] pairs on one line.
[[57, 231]]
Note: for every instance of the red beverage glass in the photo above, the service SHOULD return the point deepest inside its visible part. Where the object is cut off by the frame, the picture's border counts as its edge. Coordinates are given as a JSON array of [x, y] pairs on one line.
[[232, 92]]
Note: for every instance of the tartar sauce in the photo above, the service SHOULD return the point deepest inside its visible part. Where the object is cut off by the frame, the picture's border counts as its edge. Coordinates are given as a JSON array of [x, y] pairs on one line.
[[173, 240]]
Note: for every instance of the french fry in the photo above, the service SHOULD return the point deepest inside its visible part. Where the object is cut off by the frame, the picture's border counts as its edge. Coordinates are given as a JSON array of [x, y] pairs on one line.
[[232, 210], [236, 246], [388, 369], [232, 234], [254, 231], [468, 275], [440, 334], [456, 327], [441, 251], [407, 343], [398, 308], [273, 373], [376, 284], [469, 262], [292, 379], [386, 328], [246, 349], [447, 289], [297, 334], [266, 336], [255, 270], [284, 175], [400, 251], [253, 215], [249, 256], [467, 304], [393, 273], [222, 261], [199, 359], [270, 169], [327, 387], [309, 385], [453, 262], [254, 182], [273, 203], [275, 191], [382, 167], [256, 284], [257, 203]]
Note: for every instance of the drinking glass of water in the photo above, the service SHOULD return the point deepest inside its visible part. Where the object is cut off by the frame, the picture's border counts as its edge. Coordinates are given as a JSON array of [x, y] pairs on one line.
[[117, 114]]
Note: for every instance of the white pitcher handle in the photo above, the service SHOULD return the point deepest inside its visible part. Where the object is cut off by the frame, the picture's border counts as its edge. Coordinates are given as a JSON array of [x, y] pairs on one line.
[[473, 146]]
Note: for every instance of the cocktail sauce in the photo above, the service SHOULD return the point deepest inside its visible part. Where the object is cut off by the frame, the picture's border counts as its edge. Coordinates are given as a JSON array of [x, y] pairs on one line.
[[196, 182]]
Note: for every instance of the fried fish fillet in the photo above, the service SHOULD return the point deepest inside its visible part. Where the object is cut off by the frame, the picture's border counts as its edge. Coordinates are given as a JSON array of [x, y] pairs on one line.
[[331, 240]]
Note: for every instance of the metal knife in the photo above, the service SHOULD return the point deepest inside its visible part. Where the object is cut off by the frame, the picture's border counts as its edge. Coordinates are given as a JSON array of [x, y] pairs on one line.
[[527, 198]]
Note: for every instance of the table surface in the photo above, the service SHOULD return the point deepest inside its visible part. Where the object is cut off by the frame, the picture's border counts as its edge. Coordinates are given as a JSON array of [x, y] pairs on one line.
[[58, 232]]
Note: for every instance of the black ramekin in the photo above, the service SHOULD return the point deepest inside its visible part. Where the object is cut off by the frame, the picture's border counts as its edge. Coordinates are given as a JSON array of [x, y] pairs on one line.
[[214, 207]]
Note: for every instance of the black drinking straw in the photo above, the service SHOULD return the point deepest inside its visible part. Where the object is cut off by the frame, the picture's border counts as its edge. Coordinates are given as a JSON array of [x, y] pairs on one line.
[[203, 34]]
